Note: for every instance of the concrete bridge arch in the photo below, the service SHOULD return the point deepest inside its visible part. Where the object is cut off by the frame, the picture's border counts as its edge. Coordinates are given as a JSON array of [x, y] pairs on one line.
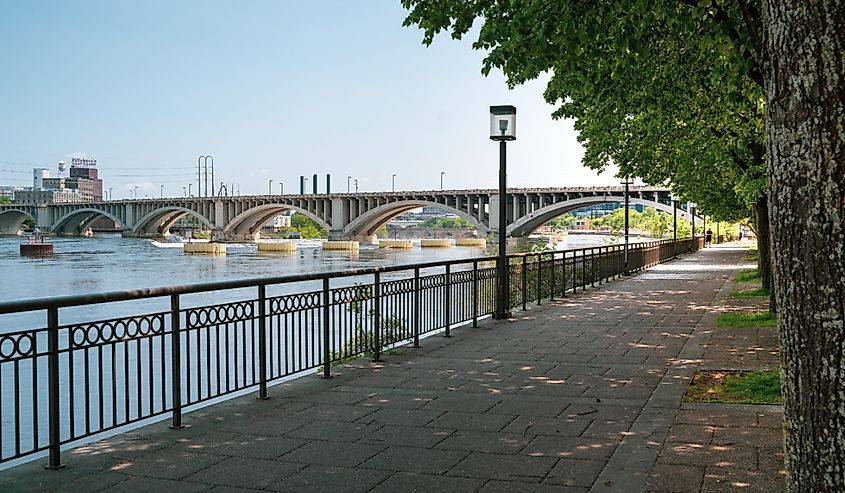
[[77, 221], [11, 220], [366, 225], [525, 225], [246, 225], [159, 221]]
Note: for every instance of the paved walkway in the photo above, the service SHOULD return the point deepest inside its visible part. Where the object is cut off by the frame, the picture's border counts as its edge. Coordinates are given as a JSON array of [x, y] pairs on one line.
[[577, 395]]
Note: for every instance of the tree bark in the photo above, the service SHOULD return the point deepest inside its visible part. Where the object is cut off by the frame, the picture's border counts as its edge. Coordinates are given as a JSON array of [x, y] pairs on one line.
[[764, 248], [805, 111]]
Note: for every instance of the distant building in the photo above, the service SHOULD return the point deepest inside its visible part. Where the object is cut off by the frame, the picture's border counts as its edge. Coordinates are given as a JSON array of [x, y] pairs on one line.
[[83, 185], [37, 197], [8, 191], [583, 224]]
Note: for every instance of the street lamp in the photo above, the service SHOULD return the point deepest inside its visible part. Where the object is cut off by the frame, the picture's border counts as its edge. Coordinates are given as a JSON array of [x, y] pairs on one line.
[[305, 186], [135, 191], [184, 191], [270, 188], [281, 188], [393, 183], [674, 199], [110, 195], [190, 193], [692, 206], [502, 129], [348, 179], [627, 183], [162, 191], [443, 173], [356, 185]]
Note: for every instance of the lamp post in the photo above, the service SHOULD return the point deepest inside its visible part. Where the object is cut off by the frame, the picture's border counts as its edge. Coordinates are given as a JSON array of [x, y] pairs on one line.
[[135, 192], [356, 185], [627, 182], [162, 192], [110, 195], [281, 188], [184, 191], [270, 187], [443, 173], [674, 199], [393, 183], [305, 186], [190, 194], [502, 129], [691, 206]]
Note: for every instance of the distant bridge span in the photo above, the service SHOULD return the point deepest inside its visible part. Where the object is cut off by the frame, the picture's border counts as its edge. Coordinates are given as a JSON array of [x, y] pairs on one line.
[[344, 215]]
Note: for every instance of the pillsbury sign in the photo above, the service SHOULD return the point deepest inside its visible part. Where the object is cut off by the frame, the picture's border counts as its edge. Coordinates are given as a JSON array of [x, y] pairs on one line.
[[79, 161]]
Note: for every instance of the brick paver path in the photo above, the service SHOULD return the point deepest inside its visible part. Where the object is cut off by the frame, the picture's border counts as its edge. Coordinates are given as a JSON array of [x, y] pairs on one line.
[[578, 395]]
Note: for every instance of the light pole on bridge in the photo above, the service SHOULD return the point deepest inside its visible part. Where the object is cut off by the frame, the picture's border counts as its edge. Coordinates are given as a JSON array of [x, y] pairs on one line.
[[393, 183], [281, 188], [348, 180], [162, 191], [356, 184], [270, 187], [135, 191], [502, 129], [111, 197], [443, 173], [190, 194]]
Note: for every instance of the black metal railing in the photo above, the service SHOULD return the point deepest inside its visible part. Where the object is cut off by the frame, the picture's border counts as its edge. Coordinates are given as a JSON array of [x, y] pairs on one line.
[[62, 383]]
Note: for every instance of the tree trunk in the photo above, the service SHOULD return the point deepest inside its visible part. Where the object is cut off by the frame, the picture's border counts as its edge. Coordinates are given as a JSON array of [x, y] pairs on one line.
[[805, 93], [764, 248], [764, 259]]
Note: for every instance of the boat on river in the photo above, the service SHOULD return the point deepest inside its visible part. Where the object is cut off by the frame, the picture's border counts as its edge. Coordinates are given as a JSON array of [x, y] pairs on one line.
[[176, 241]]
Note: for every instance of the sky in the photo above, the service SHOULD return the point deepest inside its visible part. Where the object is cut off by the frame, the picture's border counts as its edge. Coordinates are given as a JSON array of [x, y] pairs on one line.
[[271, 89]]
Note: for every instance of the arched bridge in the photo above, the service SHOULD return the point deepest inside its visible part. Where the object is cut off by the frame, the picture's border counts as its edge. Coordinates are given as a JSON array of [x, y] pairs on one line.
[[347, 216]]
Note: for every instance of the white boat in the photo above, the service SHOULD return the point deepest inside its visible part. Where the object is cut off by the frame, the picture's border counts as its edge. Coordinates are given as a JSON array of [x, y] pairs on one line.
[[175, 241]]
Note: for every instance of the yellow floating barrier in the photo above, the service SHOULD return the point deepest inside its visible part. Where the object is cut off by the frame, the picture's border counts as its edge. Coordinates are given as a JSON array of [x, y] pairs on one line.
[[277, 246], [205, 248], [403, 244], [349, 246], [435, 243], [471, 242]]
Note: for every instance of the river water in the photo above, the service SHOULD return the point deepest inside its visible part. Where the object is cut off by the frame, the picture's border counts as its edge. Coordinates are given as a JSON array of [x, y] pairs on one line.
[[112, 263]]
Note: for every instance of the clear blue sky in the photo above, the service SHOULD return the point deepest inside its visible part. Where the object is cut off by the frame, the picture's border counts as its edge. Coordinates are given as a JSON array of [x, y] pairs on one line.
[[272, 89]]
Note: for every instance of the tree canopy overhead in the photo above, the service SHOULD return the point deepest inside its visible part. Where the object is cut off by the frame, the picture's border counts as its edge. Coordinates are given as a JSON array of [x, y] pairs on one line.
[[644, 80]]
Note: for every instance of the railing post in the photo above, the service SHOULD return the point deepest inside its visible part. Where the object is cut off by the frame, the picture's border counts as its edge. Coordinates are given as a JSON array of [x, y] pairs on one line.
[[552, 279], [601, 265], [55, 460], [524, 280], [377, 318], [262, 342], [574, 271], [416, 307], [539, 278], [584, 269], [327, 350], [563, 278], [592, 267], [176, 362], [475, 293], [447, 302]]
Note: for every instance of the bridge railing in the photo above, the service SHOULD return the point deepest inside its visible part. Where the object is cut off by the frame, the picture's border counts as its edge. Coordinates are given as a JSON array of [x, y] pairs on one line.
[[77, 375]]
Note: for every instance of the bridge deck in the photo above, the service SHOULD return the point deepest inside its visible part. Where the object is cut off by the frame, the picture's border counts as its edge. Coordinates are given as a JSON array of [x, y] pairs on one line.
[[584, 393]]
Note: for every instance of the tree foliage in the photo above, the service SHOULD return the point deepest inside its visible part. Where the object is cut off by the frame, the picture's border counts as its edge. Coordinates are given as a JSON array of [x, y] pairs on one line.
[[669, 91]]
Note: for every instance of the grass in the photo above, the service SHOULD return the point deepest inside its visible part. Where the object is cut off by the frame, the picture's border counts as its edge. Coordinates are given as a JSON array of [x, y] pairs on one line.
[[750, 293], [738, 387], [752, 255], [753, 319], [748, 276]]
